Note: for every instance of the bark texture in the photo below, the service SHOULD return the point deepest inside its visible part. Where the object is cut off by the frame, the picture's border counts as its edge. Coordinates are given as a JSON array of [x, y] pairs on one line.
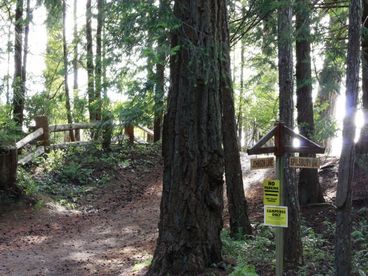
[[8, 172], [18, 89], [309, 187], [90, 66], [346, 166], [237, 204], [75, 65], [192, 198], [292, 254], [98, 69]]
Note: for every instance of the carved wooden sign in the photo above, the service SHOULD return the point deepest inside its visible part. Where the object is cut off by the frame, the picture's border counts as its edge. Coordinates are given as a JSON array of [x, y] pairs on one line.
[[262, 163], [304, 162]]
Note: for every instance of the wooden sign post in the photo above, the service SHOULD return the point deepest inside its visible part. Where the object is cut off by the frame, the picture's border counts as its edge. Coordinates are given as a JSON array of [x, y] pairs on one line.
[[280, 150]]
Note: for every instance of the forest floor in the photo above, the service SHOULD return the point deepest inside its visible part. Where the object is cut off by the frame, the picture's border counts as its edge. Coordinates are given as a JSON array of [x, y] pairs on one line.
[[113, 229]]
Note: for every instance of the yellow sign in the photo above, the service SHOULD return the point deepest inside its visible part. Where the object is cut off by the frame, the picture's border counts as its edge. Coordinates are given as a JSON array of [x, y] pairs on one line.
[[262, 163], [276, 216], [304, 162], [271, 192]]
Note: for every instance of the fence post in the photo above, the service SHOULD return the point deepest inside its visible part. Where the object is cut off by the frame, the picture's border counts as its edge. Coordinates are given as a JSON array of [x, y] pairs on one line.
[[43, 122], [8, 172]]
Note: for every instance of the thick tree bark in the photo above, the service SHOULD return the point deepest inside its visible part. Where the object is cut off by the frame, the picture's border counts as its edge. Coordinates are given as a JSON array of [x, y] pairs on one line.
[[98, 72], [160, 76], [8, 172], [90, 67], [18, 89], [346, 166], [309, 187], [362, 145], [238, 211], [66, 86], [292, 254], [192, 198]]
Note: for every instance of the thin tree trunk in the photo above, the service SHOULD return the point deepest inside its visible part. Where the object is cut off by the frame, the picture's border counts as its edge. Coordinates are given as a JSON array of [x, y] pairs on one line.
[[292, 254], [241, 94], [238, 211], [192, 198], [104, 66], [362, 145], [346, 166], [90, 67], [98, 68], [66, 85], [25, 47], [309, 187], [8, 67], [18, 97], [160, 77], [75, 66]]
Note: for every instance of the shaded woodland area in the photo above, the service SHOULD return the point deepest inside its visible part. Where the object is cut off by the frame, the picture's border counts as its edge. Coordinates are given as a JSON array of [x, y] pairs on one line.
[[127, 129]]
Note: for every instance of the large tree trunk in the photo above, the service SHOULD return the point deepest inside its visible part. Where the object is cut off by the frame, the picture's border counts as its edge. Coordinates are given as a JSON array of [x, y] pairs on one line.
[[330, 77], [98, 72], [8, 172], [18, 89], [25, 47], [346, 166], [160, 77], [90, 67], [292, 254], [239, 221], [309, 187], [66, 86], [362, 145], [192, 198]]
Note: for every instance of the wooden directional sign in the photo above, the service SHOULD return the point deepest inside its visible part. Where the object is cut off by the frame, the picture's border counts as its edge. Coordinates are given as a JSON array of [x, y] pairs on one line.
[[276, 216], [271, 192], [262, 163], [304, 162]]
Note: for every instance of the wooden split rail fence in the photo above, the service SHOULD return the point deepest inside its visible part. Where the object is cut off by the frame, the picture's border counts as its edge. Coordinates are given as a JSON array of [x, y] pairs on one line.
[[43, 130]]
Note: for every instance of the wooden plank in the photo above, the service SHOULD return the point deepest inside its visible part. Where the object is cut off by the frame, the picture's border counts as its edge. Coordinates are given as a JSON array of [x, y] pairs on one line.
[[304, 149], [29, 157], [150, 132], [264, 139], [262, 163], [57, 128], [254, 151], [29, 138], [304, 162]]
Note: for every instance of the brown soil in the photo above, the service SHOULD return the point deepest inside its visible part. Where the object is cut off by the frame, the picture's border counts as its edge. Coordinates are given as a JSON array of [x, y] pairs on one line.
[[113, 231]]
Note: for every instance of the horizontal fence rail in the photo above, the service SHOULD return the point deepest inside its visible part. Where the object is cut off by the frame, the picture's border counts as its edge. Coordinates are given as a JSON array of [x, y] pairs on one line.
[[43, 130]]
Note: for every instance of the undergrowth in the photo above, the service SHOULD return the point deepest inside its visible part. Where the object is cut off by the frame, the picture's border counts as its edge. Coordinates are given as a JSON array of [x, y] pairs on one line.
[[67, 174], [255, 255]]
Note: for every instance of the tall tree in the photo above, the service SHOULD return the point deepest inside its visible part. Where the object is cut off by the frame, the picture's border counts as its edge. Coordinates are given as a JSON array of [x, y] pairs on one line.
[[18, 89], [192, 199], [25, 48], [98, 68], [239, 221], [309, 187], [346, 165], [241, 93], [330, 76], [160, 73], [66, 85], [362, 145], [292, 254], [90, 66], [75, 66]]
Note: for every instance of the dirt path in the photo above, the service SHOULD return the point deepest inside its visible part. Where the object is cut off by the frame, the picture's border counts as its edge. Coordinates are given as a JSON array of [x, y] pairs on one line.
[[98, 239]]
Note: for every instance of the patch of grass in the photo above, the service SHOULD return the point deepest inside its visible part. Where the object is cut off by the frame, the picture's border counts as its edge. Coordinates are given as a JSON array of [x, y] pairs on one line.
[[141, 265]]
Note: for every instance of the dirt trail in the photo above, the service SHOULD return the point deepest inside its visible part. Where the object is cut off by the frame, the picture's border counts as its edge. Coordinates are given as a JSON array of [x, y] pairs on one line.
[[99, 239]]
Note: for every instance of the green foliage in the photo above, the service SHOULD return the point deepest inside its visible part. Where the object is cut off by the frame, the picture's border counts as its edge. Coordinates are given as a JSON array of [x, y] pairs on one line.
[[9, 131], [26, 182]]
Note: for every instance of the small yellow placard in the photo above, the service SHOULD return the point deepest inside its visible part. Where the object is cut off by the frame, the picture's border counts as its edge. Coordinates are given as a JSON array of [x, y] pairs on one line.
[[262, 163], [271, 192], [276, 216], [304, 162]]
